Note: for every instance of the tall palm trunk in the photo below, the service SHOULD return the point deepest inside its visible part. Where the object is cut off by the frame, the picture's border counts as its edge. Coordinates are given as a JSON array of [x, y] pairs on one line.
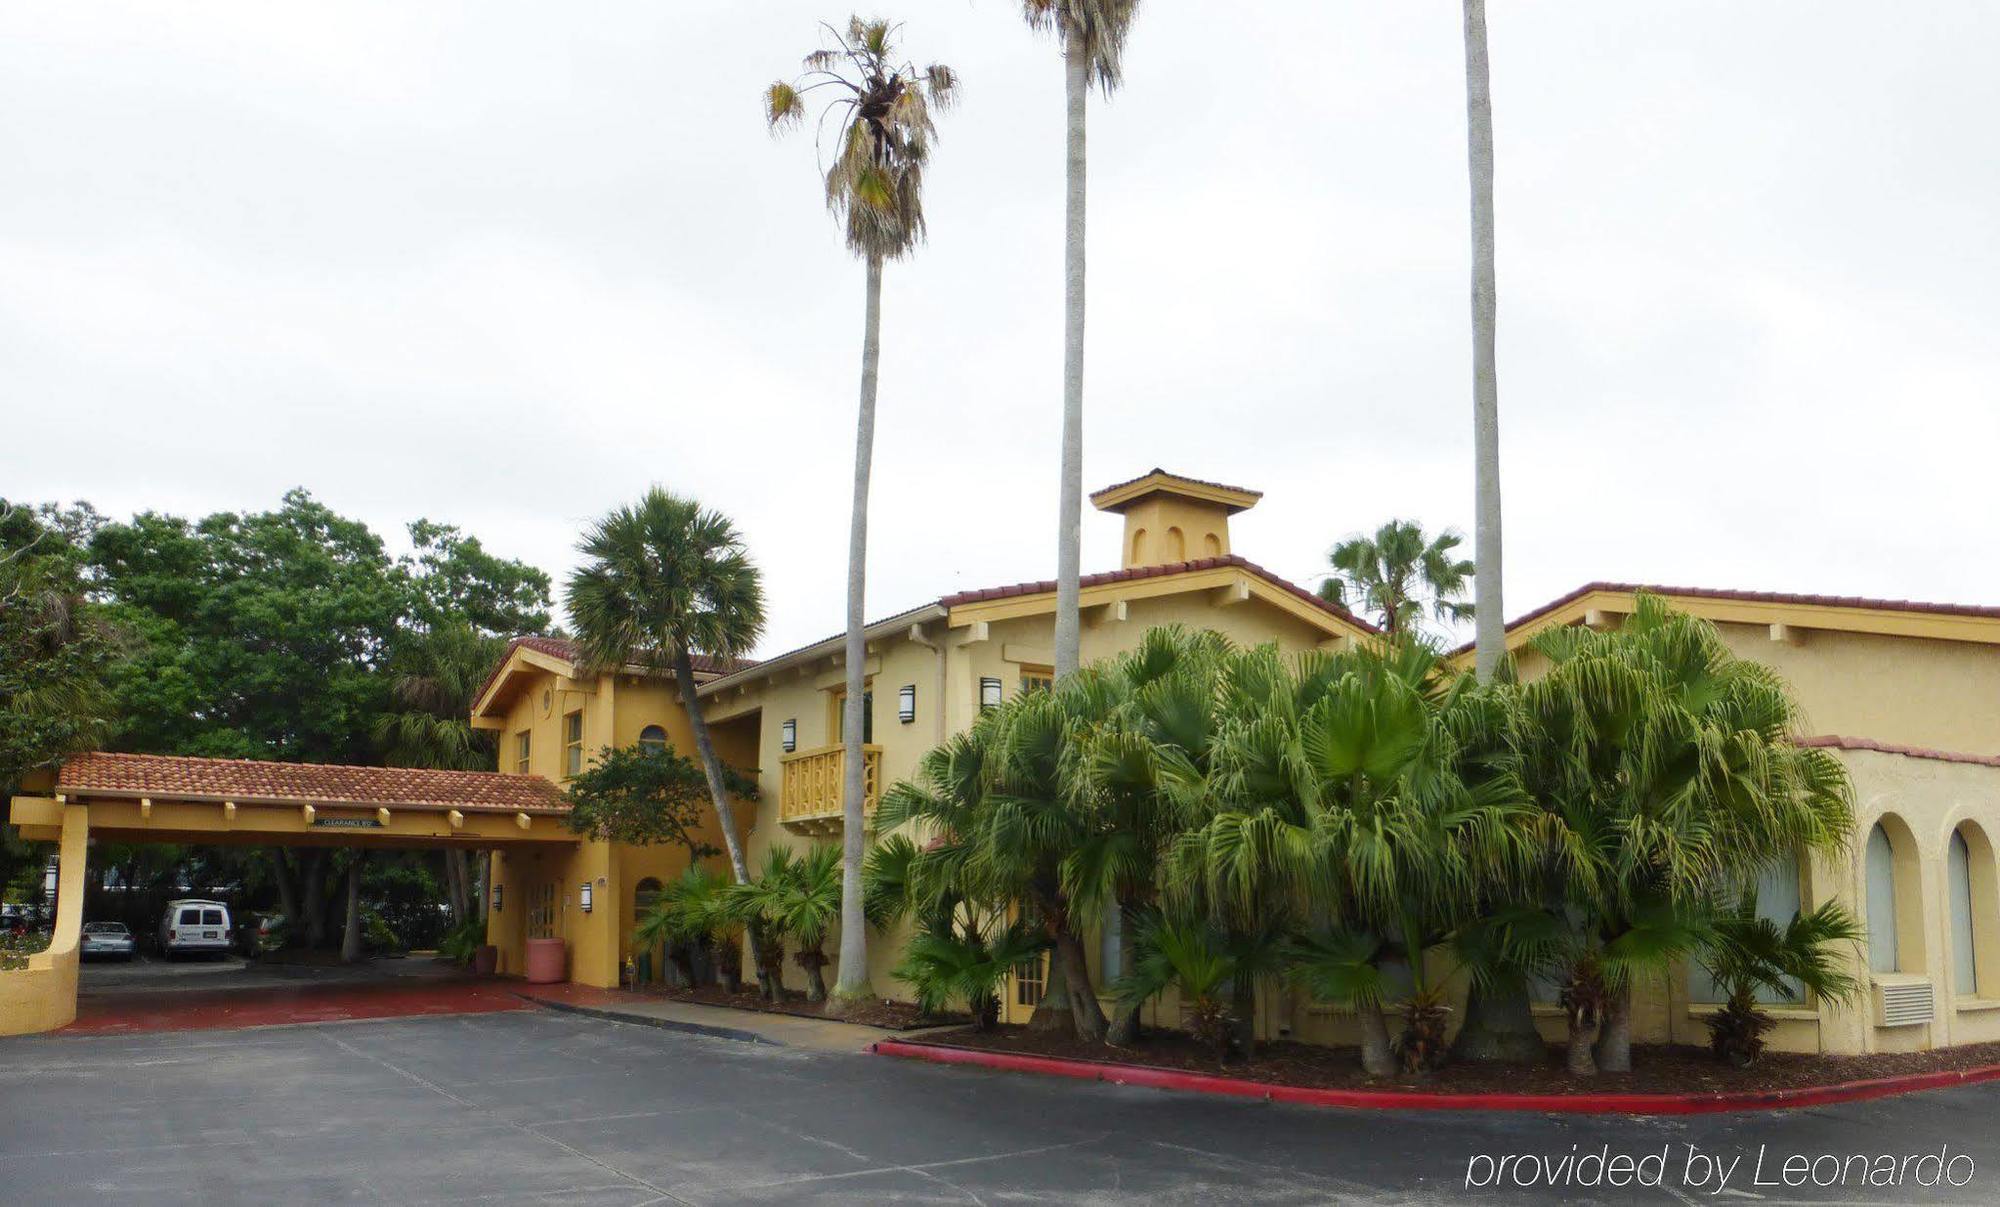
[[1490, 633], [1069, 538], [851, 983], [350, 938], [711, 769]]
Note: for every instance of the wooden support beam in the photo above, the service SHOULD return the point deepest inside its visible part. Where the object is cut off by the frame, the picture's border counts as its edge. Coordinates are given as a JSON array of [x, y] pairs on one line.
[[456, 819], [1115, 612], [146, 808], [308, 812], [382, 816], [976, 632], [229, 810], [1235, 593], [1596, 618], [1786, 634], [521, 820]]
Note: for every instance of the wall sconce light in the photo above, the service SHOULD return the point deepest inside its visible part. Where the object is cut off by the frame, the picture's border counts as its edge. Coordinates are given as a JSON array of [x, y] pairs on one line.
[[496, 898], [989, 693], [906, 703], [583, 897], [790, 732]]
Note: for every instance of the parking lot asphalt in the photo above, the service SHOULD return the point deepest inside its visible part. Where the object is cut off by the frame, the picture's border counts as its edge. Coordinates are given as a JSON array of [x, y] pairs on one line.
[[541, 1107]]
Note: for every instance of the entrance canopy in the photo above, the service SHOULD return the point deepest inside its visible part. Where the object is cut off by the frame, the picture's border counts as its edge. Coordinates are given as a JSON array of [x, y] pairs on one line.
[[159, 798]]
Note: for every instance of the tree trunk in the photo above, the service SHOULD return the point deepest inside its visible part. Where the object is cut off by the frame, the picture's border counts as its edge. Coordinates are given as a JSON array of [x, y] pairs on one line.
[[1083, 1004], [1499, 1027], [711, 768], [313, 894], [1614, 1036], [1053, 1015], [288, 890], [1488, 611], [815, 976], [350, 942], [454, 888], [1377, 1060], [1124, 1030], [851, 984], [1578, 1059], [1243, 1005], [1069, 524]]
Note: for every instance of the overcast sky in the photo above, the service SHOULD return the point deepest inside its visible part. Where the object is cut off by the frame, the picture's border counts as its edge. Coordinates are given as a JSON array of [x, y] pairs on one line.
[[505, 265]]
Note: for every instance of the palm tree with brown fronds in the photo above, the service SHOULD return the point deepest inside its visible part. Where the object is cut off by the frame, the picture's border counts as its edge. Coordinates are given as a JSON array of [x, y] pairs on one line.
[[874, 186]]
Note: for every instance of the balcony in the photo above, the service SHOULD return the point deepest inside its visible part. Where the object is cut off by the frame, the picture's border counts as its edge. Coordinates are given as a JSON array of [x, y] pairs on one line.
[[809, 802]]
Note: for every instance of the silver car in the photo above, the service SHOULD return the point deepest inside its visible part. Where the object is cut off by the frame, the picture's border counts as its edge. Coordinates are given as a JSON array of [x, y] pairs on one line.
[[110, 940]]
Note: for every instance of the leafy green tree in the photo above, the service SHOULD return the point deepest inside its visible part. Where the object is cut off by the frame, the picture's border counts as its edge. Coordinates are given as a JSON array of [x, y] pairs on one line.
[[1093, 36], [1663, 770], [640, 795], [1397, 574], [945, 967], [691, 917], [796, 897], [875, 187], [57, 648], [1195, 961], [457, 583]]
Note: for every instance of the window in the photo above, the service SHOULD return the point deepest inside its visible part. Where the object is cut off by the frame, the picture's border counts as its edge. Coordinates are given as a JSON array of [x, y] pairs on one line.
[[653, 739], [1881, 867], [1031, 977], [1037, 679], [521, 753], [867, 716], [211, 917], [573, 743], [1958, 880], [190, 917], [644, 898], [1111, 943], [1779, 901]]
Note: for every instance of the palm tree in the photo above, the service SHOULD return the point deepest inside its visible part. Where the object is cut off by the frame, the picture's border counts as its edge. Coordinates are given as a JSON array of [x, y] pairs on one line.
[[946, 967], [1490, 633], [1752, 955], [1195, 961], [1664, 770], [1093, 36], [1392, 573], [796, 897], [434, 677], [668, 579], [875, 187]]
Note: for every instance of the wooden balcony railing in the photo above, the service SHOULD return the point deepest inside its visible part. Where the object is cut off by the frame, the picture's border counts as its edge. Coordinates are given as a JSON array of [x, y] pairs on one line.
[[810, 796]]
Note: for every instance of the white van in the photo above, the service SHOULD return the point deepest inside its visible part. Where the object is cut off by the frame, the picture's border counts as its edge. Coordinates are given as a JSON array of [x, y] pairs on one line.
[[191, 926]]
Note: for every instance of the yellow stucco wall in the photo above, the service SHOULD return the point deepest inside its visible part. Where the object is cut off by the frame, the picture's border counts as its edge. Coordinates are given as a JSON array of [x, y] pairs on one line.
[[42, 996]]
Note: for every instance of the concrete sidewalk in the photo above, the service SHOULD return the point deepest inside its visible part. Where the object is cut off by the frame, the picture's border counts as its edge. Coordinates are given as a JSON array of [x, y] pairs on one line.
[[747, 1026]]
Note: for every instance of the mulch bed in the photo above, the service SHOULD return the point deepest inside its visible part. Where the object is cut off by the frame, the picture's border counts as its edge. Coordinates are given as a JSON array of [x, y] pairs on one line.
[[889, 1016], [1656, 1069]]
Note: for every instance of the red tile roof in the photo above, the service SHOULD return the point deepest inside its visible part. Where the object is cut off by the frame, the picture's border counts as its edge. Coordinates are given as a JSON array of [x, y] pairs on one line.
[[567, 650], [249, 781], [1837, 742], [1046, 586], [1776, 597]]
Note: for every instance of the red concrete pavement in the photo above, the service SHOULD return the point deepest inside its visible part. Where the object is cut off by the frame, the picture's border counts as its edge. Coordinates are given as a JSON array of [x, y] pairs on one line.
[[280, 1005]]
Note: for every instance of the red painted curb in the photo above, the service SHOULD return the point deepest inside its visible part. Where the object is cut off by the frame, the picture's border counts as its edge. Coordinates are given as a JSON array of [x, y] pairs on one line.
[[1579, 1104]]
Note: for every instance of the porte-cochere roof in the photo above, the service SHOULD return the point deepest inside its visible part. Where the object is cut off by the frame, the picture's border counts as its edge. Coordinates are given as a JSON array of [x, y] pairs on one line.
[[249, 781]]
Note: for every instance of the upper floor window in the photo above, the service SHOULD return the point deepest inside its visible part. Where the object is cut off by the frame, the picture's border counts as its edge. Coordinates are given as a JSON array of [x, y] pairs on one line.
[[573, 743], [867, 716], [521, 753], [653, 739], [1037, 679]]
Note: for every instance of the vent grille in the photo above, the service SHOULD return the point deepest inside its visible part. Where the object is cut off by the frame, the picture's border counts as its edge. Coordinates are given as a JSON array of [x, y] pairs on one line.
[[1903, 1003]]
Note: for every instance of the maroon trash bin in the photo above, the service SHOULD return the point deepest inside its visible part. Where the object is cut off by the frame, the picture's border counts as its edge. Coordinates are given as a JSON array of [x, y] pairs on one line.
[[545, 961], [485, 960]]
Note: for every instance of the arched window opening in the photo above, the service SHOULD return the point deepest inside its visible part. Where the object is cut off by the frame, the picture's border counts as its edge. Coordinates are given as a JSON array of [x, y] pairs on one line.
[[1211, 545], [644, 898], [653, 739], [1883, 955], [1958, 883], [1138, 547], [1176, 545]]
